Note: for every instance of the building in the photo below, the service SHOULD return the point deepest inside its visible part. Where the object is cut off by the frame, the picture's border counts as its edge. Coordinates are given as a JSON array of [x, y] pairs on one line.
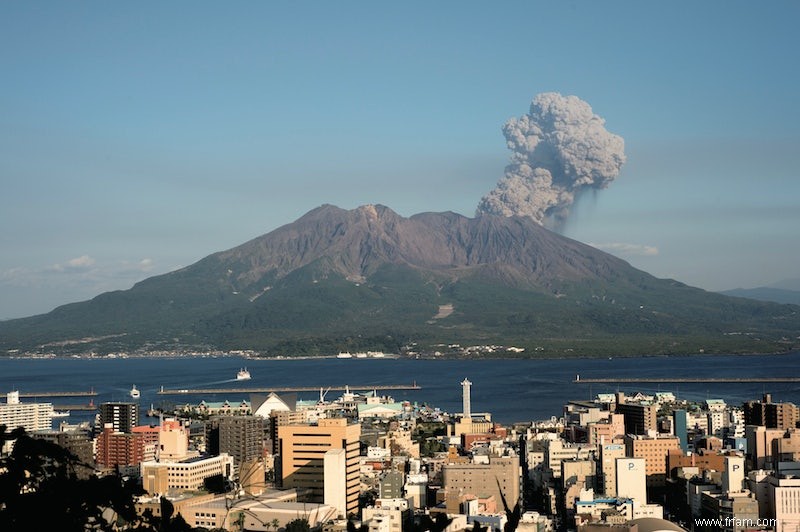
[[266, 512], [703, 461], [391, 484], [29, 416], [605, 431], [787, 447], [264, 406], [760, 445], [735, 512], [279, 418], [607, 474], [771, 415], [189, 474], [241, 437], [640, 418], [77, 443], [501, 476], [173, 441], [631, 479], [302, 450], [784, 502], [680, 427], [576, 476], [556, 451], [120, 449], [654, 451], [122, 416]]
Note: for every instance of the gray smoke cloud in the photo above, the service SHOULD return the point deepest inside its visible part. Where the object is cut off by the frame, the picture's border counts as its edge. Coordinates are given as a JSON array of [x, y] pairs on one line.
[[559, 149]]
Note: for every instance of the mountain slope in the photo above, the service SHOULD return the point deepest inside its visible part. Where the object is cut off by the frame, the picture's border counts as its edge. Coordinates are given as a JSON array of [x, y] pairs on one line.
[[369, 278], [766, 293]]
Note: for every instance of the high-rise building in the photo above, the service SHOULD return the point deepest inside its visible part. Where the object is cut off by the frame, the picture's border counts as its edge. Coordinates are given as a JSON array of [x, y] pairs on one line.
[[680, 426], [607, 481], [115, 448], [639, 418], [122, 416], [242, 437], [302, 450], [30, 416], [279, 418], [771, 415]]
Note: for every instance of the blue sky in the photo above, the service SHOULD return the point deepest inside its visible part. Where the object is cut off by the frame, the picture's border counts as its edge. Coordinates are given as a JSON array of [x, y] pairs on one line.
[[138, 138]]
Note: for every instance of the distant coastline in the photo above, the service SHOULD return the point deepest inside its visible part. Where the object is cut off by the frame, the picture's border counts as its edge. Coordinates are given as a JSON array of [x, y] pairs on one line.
[[386, 356]]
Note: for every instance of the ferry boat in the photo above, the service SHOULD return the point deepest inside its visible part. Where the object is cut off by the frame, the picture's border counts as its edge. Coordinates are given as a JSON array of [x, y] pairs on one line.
[[243, 375], [57, 413], [135, 393], [344, 355]]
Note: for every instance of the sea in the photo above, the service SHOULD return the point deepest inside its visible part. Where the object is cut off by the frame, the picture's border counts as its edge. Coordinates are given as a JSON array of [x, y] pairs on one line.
[[512, 390]]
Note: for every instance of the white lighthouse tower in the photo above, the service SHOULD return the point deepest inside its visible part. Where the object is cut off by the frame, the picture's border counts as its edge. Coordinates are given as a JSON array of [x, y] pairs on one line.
[[467, 409]]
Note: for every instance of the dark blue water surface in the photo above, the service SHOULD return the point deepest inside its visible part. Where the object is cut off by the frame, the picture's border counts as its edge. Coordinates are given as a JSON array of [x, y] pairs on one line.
[[512, 390]]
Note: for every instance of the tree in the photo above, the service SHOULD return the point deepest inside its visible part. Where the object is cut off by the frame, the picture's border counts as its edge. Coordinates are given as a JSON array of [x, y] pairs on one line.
[[298, 525], [40, 490]]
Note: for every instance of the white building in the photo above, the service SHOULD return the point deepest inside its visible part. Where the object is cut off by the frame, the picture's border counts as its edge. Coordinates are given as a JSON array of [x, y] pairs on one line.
[[30, 416], [631, 479], [784, 502], [189, 474], [386, 515], [334, 464]]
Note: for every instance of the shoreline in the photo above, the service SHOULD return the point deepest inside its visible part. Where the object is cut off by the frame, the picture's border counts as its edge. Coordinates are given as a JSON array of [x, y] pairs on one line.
[[281, 358]]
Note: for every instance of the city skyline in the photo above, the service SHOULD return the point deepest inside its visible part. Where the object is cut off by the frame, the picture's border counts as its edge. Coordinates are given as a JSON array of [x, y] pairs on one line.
[[139, 140]]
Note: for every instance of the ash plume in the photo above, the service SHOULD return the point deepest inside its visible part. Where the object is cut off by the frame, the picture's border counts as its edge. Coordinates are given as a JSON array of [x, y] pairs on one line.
[[559, 149]]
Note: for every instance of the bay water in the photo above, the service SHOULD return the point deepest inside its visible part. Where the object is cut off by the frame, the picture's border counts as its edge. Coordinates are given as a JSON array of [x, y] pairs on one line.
[[511, 389]]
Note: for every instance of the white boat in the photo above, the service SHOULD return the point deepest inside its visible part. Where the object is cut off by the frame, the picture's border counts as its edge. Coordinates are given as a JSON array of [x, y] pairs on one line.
[[344, 355], [56, 413], [243, 375], [134, 392]]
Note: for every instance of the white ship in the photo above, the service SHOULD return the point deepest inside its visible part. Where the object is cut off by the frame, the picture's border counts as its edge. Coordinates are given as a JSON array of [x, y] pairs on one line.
[[134, 392], [243, 375], [57, 413], [344, 355]]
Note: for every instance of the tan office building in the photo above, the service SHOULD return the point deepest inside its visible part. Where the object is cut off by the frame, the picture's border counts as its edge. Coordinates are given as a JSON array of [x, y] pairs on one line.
[[484, 480], [654, 451], [302, 450]]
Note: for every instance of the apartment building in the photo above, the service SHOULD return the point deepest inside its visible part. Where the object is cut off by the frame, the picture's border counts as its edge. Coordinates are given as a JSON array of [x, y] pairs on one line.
[[302, 450]]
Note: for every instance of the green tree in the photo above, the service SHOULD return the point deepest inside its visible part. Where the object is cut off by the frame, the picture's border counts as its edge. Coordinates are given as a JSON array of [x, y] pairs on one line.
[[298, 525], [40, 489]]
